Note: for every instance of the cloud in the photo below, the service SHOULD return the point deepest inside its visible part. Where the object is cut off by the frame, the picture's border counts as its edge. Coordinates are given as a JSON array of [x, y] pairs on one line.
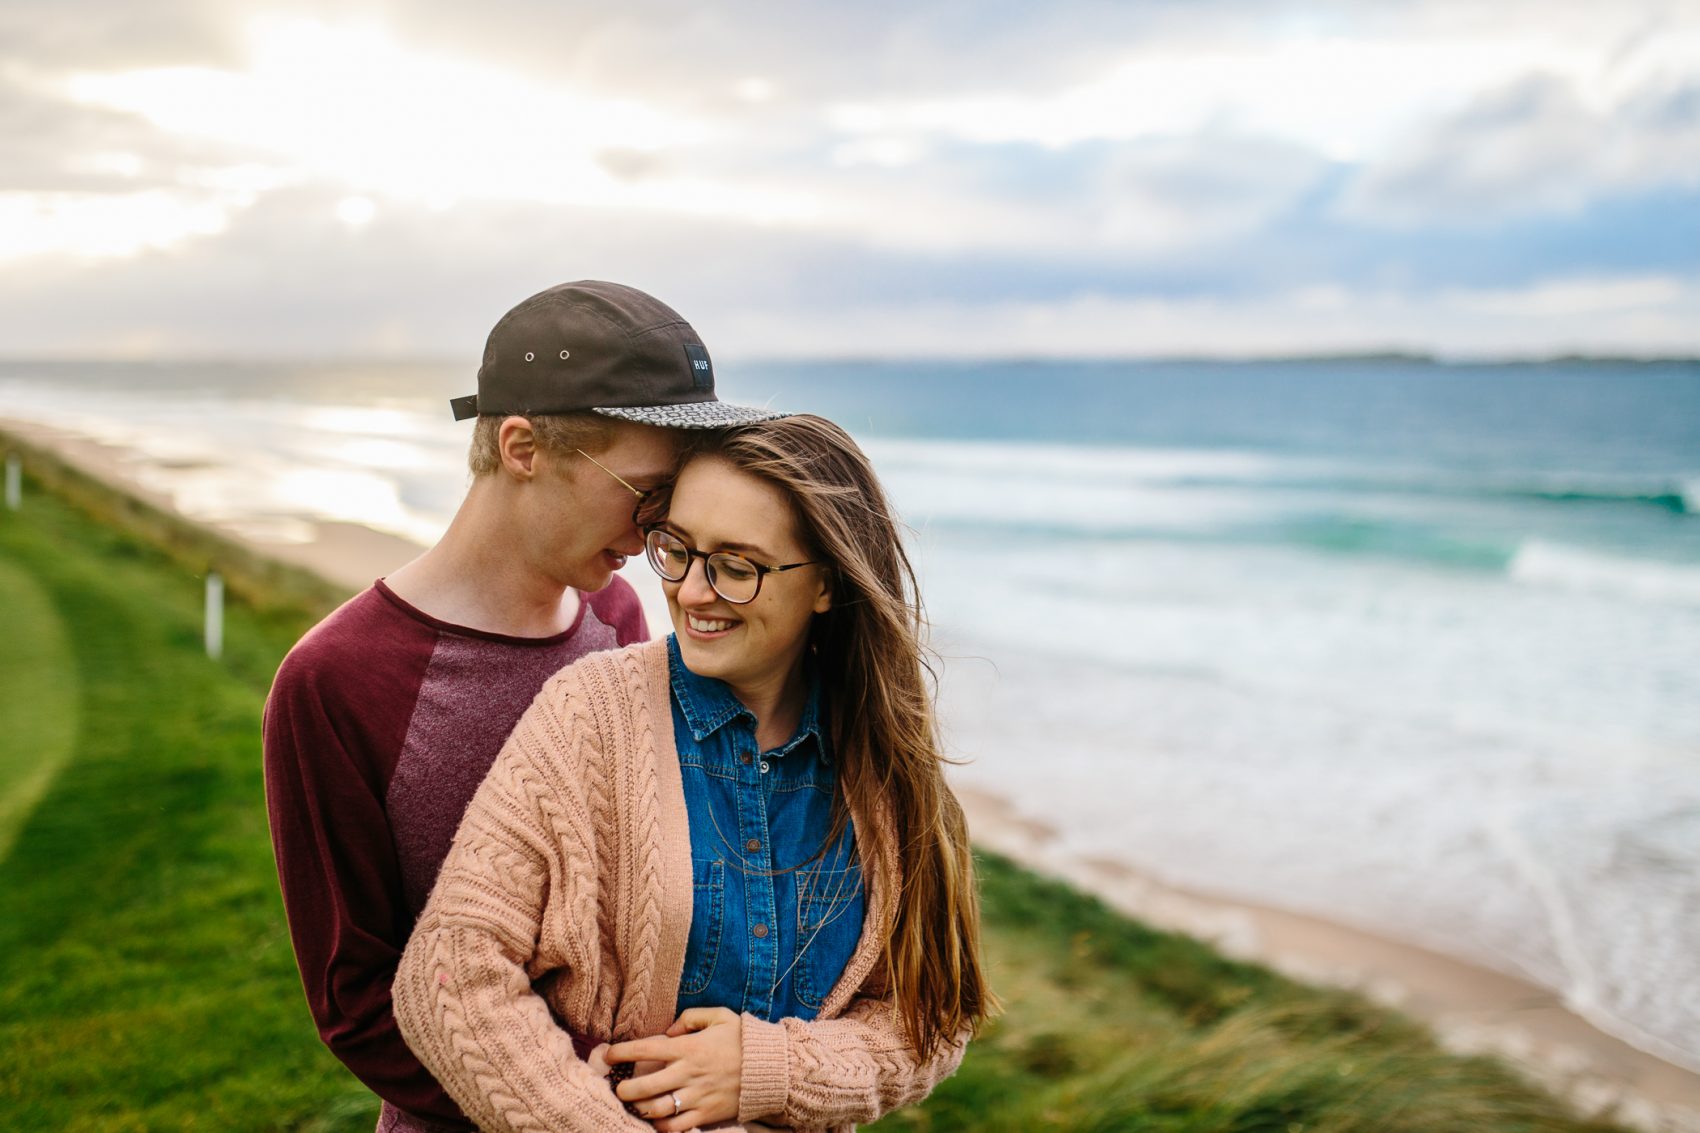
[[93, 182], [289, 277], [1139, 201], [353, 103], [1335, 89], [51, 144], [45, 36], [1534, 146], [1181, 193], [418, 127], [381, 177], [803, 53], [103, 225], [1641, 316]]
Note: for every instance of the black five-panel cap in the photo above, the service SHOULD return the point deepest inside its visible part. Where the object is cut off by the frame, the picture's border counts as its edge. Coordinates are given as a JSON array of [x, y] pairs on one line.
[[604, 347]]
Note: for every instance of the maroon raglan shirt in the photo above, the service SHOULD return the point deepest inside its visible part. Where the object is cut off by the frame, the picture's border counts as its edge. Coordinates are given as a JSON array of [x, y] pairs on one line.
[[380, 725]]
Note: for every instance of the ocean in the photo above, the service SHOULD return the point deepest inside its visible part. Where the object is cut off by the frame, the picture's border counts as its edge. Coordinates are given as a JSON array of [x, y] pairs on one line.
[[1408, 645]]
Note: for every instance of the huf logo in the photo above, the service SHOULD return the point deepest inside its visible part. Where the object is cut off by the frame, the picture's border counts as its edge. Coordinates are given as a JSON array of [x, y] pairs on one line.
[[702, 370]]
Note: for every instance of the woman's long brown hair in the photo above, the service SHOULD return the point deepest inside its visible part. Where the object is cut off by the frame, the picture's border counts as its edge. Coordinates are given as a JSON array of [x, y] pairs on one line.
[[871, 661]]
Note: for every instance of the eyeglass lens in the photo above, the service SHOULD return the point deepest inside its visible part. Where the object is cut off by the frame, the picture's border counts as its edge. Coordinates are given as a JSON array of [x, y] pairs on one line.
[[734, 579]]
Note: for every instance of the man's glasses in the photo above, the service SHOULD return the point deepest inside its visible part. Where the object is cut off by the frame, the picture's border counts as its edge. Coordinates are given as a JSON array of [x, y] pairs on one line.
[[733, 577], [643, 495]]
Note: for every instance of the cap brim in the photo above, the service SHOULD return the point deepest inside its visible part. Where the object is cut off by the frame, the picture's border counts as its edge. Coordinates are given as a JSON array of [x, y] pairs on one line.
[[692, 415]]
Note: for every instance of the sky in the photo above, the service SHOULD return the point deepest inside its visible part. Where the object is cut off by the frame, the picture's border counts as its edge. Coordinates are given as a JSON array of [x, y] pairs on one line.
[[926, 178]]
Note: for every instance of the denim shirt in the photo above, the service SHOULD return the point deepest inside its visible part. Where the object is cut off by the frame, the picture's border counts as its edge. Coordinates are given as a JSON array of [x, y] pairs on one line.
[[766, 937]]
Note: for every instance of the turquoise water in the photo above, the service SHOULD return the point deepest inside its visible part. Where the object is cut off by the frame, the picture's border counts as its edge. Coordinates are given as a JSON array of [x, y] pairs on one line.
[[1408, 645], [1445, 463]]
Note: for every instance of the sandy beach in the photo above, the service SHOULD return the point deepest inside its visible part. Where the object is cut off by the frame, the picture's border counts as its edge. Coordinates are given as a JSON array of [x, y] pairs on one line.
[[1470, 1008]]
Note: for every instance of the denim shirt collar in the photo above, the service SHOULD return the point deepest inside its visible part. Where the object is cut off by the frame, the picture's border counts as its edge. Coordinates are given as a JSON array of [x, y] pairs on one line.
[[709, 704]]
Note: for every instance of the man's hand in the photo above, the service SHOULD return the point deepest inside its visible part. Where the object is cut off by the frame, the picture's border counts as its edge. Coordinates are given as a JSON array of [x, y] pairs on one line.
[[702, 1065]]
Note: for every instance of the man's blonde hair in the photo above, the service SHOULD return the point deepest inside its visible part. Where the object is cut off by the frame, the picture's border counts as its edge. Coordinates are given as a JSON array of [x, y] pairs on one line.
[[556, 432]]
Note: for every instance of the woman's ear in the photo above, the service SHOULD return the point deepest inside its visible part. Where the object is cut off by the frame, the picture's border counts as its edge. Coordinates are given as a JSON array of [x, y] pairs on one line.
[[823, 600]]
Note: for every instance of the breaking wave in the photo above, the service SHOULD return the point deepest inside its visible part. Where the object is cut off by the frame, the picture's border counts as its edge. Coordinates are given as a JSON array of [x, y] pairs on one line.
[[1541, 563]]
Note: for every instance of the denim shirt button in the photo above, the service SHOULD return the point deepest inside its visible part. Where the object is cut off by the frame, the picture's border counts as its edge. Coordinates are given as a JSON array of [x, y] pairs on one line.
[[753, 845], [746, 759], [761, 931], [764, 767]]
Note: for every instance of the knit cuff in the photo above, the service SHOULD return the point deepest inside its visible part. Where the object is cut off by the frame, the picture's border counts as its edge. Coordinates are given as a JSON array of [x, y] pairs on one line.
[[763, 1089]]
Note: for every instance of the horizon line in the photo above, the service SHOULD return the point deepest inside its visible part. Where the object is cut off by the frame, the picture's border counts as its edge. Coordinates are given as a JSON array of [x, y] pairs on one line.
[[1415, 357]]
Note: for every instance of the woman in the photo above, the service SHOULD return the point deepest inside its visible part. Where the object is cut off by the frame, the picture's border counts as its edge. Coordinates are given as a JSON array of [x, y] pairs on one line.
[[731, 855]]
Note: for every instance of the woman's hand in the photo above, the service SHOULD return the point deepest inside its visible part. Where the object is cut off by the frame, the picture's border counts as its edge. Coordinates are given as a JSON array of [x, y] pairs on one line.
[[703, 1066]]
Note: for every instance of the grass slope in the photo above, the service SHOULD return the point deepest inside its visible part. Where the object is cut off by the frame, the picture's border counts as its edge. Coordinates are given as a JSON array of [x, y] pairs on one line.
[[38, 713], [1110, 1025], [146, 980]]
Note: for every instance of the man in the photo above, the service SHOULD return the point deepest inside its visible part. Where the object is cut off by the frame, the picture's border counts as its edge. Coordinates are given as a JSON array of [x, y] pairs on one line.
[[386, 716]]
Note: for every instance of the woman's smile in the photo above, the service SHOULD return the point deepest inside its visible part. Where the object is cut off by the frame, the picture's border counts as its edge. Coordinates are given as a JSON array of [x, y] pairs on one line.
[[707, 628]]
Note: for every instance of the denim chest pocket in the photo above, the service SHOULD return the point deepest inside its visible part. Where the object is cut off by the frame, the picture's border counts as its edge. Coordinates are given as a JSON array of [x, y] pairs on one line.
[[708, 920], [829, 924]]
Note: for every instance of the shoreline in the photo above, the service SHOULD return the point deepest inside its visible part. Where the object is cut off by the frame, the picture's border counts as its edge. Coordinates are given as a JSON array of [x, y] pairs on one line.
[[1471, 1009]]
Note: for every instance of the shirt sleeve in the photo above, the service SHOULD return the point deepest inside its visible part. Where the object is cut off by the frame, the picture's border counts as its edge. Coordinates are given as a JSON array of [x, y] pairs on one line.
[[850, 1069], [464, 994], [342, 894]]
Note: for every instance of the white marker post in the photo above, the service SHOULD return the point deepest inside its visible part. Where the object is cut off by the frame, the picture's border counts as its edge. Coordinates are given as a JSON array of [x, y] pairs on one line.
[[14, 482], [215, 615]]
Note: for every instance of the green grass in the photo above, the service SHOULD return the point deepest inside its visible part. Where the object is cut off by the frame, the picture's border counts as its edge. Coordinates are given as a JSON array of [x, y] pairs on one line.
[[38, 714], [1110, 1025], [146, 980]]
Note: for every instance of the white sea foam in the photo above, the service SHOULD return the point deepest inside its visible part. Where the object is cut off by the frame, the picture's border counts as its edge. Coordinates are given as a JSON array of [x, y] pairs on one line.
[[1616, 862], [1378, 743], [1498, 847], [1099, 492], [1463, 647], [1541, 563]]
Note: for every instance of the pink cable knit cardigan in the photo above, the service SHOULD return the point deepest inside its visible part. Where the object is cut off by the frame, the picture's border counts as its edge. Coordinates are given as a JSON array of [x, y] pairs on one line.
[[567, 896]]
